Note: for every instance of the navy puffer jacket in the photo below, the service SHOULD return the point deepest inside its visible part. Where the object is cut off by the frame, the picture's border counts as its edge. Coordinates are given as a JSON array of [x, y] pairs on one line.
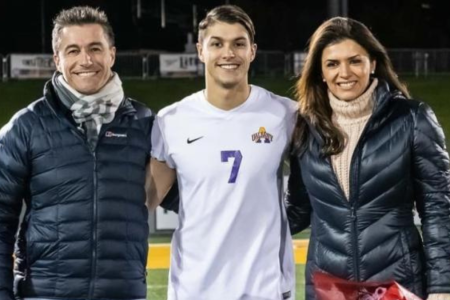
[[400, 162], [85, 231]]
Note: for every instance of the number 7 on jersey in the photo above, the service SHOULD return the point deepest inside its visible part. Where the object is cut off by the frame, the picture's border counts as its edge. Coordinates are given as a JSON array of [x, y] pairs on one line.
[[225, 155]]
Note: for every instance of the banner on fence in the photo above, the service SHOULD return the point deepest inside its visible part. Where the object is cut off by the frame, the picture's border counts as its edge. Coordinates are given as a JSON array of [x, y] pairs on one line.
[[31, 66], [180, 65], [299, 62]]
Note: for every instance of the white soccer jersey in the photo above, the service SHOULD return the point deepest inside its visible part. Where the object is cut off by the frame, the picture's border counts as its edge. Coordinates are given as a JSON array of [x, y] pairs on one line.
[[233, 240]]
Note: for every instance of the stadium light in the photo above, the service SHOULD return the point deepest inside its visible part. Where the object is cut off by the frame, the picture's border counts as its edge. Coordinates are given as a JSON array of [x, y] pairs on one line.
[[344, 8], [194, 18], [43, 34], [138, 9], [163, 14], [337, 8]]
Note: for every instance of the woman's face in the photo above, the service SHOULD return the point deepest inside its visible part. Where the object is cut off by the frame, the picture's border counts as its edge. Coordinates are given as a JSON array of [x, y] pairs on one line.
[[346, 69]]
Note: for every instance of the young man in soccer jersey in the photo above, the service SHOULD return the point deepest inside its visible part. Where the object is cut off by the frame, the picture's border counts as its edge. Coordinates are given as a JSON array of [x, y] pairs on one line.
[[225, 145]]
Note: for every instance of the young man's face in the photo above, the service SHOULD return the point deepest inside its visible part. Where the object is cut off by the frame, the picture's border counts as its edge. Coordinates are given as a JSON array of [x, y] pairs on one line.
[[227, 52], [85, 57]]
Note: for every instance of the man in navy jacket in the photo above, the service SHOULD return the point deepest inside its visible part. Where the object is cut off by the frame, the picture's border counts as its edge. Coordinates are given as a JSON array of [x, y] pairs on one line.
[[77, 158]]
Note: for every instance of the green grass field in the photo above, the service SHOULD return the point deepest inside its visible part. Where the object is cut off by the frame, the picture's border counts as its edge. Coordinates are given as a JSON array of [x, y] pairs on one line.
[[157, 284]]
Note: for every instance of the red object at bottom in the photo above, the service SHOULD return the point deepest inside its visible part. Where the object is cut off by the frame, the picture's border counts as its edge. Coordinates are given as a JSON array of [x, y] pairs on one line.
[[328, 287]]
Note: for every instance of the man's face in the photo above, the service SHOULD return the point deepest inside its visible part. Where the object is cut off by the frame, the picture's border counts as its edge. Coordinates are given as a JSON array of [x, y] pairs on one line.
[[85, 57], [227, 52]]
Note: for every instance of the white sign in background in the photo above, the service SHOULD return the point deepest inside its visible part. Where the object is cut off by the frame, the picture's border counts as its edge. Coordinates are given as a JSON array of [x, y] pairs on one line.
[[179, 65], [166, 220], [25, 66], [299, 62], [42, 66]]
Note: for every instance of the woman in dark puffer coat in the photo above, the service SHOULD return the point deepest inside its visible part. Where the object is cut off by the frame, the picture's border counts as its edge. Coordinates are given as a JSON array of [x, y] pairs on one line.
[[366, 156]]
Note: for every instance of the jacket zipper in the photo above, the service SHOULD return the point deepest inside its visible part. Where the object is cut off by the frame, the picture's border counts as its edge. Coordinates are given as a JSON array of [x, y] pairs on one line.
[[353, 218], [94, 213], [94, 230], [353, 199], [351, 205], [355, 243]]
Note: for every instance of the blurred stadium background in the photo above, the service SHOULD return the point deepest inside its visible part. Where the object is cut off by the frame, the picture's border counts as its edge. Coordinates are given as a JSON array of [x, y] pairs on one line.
[[157, 62]]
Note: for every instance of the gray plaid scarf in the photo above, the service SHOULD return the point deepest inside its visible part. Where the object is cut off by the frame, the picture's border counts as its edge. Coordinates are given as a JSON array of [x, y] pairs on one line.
[[91, 111]]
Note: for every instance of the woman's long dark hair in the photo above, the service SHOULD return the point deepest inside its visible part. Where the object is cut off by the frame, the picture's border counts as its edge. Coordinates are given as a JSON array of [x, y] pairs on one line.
[[311, 91]]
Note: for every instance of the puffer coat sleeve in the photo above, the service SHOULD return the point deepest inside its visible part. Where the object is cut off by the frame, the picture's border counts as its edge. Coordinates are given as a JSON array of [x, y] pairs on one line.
[[432, 192], [298, 205], [14, 169]]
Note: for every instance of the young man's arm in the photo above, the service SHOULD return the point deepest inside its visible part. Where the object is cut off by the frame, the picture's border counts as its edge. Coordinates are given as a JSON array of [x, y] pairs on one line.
[[159, 180]]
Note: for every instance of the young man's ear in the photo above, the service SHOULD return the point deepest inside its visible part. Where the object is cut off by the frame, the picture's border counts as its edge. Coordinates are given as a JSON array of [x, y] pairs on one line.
[[113, 56], [200, 51], [254, 48]]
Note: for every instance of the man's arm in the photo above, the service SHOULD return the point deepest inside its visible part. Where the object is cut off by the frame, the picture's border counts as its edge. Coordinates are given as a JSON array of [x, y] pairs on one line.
[[159, 180], [13, 178]]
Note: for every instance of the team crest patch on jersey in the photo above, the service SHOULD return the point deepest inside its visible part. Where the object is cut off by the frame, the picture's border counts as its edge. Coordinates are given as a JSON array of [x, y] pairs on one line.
[[262, 135]]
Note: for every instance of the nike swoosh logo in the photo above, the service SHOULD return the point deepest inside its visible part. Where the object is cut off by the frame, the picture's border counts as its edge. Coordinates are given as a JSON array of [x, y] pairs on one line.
[[193, 140]]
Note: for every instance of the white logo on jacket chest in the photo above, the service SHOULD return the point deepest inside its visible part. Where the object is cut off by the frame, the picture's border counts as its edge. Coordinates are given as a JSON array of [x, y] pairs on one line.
[[113, 134]]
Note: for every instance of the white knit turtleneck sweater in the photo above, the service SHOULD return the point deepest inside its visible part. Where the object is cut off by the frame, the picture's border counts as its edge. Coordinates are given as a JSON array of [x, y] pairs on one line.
[[351, 118]]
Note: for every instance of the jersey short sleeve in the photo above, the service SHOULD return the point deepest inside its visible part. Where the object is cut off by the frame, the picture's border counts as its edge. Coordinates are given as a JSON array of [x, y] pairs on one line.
[[290, 113], [159, 145], [291, 117]]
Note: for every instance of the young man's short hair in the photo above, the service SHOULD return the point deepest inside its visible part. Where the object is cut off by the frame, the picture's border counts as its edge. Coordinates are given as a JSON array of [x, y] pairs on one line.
[[230, 14]]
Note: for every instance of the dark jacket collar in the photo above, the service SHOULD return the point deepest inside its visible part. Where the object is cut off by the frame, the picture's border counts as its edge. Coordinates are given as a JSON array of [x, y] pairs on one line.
[[383, 95]]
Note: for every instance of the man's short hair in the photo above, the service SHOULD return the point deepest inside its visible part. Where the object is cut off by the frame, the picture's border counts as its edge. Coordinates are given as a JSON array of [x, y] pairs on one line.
[[230, 14], [77, 16]]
